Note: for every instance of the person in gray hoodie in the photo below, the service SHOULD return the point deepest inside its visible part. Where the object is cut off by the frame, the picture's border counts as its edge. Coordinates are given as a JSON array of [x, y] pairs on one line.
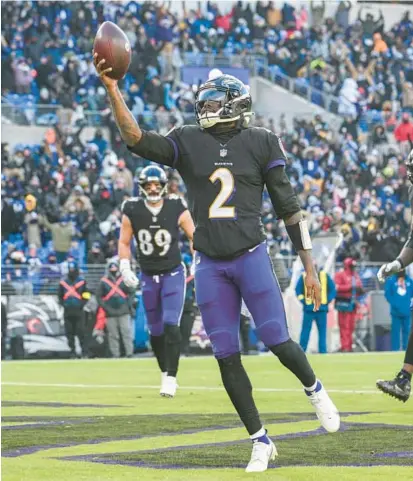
[[117, 300]]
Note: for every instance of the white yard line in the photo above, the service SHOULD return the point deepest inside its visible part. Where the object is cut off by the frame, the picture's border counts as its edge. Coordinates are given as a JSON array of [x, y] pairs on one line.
[[186, 388]]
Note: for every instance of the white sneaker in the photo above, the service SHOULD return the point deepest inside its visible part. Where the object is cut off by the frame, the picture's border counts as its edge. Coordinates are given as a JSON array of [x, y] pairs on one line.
[[261, 455], [169, 385], [325, 409]]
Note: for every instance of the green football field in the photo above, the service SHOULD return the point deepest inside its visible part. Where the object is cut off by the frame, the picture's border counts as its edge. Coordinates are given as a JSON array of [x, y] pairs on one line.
[[104, 420]]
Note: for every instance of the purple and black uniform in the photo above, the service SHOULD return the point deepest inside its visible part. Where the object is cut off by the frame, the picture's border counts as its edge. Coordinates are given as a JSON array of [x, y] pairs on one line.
[[225, 177], [163, 274]]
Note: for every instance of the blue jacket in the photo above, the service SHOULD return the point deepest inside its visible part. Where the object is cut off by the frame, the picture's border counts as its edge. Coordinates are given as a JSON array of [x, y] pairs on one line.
[[328, 292], [399, 301], [73, 294]]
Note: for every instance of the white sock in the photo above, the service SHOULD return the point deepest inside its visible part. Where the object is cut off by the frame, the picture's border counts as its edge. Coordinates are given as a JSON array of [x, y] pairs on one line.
[[258, 434], [312, 388]]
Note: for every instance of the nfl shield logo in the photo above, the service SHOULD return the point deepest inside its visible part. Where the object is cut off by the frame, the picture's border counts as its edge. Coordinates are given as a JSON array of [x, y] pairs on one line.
[[223, 152]]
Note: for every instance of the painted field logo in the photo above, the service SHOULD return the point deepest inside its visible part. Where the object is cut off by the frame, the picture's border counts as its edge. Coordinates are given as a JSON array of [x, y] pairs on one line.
[[356, 444]]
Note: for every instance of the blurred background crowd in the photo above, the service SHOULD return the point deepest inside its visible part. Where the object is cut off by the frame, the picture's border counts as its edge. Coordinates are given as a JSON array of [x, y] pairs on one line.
[[61, 197]]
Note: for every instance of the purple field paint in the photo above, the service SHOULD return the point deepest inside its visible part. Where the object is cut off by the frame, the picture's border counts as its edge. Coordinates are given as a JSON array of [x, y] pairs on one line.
[[95, 458], [400, 454]]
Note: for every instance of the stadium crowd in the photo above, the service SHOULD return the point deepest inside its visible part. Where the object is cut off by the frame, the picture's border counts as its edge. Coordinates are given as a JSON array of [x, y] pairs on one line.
[[61, 198]]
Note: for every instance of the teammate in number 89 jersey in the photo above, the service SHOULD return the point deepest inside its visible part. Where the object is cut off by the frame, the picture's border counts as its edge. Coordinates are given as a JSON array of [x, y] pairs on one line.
[[154, 222], [157, 233]]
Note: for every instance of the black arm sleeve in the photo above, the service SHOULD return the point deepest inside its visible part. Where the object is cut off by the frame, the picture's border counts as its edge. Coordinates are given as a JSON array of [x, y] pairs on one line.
[[157, 148], [283, 197]]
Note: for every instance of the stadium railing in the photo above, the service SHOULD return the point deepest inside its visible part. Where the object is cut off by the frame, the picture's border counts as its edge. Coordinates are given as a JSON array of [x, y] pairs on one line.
[[26, 280]]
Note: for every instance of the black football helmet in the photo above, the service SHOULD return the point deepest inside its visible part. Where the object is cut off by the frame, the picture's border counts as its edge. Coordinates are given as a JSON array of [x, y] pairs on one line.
[[153, 173], [223, 99], [409, 166]]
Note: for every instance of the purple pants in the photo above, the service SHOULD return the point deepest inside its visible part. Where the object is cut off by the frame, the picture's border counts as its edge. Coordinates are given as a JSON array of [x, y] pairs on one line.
[[219, 287], [163, 298]]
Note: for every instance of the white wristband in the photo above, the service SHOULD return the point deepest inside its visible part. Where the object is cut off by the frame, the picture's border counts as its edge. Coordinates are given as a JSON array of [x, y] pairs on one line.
[[124, 265]]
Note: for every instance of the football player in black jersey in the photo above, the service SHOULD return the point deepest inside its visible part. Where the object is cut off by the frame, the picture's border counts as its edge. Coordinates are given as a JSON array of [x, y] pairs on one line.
[[154, 221], [400, 386], [225, 166]]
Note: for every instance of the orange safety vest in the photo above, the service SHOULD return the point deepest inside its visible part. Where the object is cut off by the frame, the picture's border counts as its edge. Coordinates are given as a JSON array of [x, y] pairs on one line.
[[71, 291], [115, 289]]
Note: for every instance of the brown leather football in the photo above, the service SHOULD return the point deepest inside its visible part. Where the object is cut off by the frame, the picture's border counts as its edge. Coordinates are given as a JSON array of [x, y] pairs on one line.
[[113, 45]]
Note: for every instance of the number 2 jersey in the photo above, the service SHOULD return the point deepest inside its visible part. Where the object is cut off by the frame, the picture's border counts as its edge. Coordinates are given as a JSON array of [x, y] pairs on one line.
[[156, 233], [225, 175]]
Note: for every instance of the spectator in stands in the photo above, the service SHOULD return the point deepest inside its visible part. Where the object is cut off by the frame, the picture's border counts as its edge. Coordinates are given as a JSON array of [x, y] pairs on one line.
[[404, 131], [328, 294], [62, 232], [124, 174], [31, 221], [117, 300], [398, 290], [343, 13], [50, 275], [78, 195], [16, 273], [378, 61], [95, 255]]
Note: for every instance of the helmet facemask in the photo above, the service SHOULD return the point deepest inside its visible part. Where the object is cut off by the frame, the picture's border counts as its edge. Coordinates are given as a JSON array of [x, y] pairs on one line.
[[153, 190], [217, 104]]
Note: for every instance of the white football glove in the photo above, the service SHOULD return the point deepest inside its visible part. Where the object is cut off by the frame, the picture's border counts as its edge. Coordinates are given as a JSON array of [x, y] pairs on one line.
[[128, 276], [389, 269]]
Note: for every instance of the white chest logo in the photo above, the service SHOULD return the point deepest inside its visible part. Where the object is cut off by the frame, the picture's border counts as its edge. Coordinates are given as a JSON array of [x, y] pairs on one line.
[[223, 152], [154, 219]]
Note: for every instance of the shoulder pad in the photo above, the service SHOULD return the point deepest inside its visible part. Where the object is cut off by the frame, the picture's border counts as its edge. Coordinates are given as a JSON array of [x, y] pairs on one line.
[[129, 204], [178, 198]]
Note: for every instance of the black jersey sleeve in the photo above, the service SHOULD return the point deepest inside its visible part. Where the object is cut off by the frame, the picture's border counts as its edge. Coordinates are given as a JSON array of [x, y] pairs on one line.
[[126, 208], [181, 206], [272, 153], [282, 194], [156, 147]]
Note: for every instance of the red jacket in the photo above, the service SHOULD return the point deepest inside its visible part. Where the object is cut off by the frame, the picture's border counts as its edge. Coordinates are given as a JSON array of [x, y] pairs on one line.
[[404, 131], [100, 319], [343, 280]]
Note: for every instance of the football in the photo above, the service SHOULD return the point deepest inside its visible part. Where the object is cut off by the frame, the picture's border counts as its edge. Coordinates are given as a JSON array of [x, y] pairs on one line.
[[113, 45]]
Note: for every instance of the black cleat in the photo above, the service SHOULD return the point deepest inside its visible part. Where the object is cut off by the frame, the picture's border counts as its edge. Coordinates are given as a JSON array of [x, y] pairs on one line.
[[399, 387]]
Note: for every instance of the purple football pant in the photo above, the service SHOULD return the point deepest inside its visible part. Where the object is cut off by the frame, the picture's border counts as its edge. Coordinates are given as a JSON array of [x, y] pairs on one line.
[[219, 286], [163, 298]]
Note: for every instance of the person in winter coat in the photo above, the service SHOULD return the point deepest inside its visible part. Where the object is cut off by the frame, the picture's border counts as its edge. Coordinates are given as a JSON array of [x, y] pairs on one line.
[[61, 236], [73, 295], [328, 293], [117, 300], [399, 292], [349, 287]]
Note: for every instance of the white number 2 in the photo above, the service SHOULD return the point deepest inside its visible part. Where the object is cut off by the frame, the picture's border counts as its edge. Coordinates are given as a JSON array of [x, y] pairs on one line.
[[216, 209], [162, 239]]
